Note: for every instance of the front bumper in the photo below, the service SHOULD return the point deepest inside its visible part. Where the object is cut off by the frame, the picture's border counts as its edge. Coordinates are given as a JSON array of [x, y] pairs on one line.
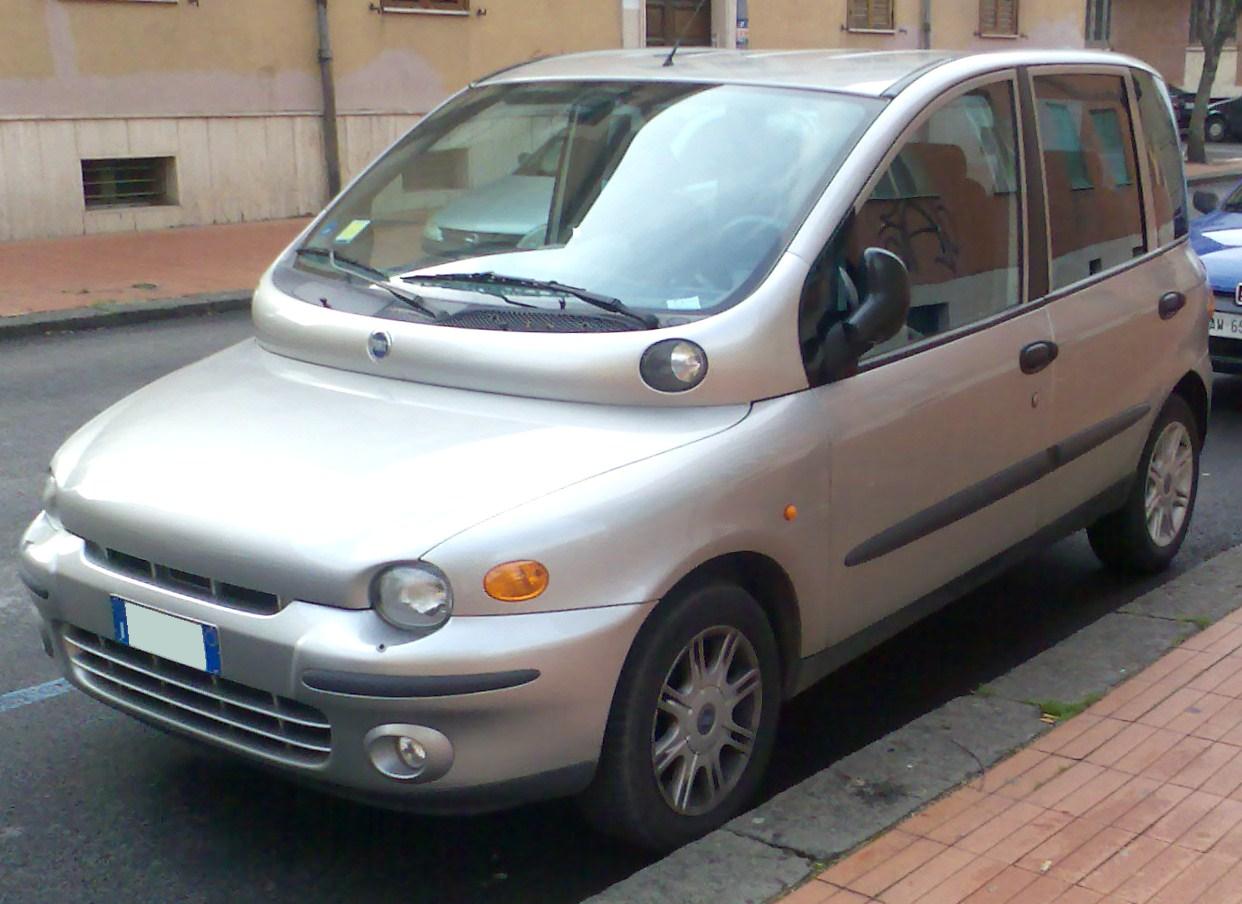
[[521, 699], [1226, 354]]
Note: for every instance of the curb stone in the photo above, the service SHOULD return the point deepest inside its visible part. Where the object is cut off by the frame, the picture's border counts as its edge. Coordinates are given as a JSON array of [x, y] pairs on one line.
[[40, 322], [787, 839]]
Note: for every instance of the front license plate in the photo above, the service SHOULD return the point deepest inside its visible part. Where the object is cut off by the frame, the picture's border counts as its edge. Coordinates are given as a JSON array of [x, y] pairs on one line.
[[179, 639], [1227, 325]]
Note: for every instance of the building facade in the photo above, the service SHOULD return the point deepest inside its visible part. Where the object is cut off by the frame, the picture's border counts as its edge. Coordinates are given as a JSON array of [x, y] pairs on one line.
[[139, 114]]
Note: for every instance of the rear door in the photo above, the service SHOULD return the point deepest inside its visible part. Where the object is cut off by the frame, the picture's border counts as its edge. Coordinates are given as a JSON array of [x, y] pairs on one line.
[[1110, 269]]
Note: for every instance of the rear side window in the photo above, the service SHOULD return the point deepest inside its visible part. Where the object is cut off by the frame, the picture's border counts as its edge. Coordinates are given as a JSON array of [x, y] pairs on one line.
[[1164, 156], [1094, 207]]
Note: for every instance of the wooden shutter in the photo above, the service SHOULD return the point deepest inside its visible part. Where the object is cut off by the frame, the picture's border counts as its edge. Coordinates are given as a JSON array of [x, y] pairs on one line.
[[998, 17], [869, 14], [450, 6]]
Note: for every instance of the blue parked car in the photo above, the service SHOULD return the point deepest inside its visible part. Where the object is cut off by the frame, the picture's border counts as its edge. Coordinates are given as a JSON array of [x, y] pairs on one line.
[[1217, 238]]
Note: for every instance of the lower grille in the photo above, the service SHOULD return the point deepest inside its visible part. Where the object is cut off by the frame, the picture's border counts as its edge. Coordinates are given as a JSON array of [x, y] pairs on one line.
[[272, 727]]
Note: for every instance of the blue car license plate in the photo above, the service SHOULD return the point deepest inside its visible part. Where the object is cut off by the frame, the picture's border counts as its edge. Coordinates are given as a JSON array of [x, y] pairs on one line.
[[168, 636]]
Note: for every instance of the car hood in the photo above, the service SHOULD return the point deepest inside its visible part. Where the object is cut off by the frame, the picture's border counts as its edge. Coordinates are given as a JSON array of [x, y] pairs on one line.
[[1218, 242], [300, 480], [513, 205]]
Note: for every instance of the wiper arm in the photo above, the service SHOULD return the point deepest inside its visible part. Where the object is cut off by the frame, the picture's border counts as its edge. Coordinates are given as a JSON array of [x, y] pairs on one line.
[[377, 277], [606, 302]]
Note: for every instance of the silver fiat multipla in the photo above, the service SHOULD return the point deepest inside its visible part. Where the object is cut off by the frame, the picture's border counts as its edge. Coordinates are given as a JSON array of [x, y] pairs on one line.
[[568, 492]]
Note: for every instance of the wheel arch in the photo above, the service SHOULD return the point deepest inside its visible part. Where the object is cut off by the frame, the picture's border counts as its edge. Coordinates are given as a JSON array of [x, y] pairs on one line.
[[764, 579], [1192, 389]]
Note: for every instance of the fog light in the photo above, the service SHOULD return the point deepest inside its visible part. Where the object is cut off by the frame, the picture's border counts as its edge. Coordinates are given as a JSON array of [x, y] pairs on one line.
[[412, 753], [409, 753]]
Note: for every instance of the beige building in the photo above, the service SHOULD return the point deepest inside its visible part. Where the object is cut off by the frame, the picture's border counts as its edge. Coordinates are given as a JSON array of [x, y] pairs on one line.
[[136, 114]]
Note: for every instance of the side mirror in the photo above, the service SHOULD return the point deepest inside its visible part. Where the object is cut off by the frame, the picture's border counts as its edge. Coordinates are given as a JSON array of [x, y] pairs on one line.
[[1206, 201], [879, 317], [883, 312]]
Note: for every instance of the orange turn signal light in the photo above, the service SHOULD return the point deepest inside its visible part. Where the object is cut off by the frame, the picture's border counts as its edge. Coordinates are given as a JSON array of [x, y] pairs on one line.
[[516, 582]]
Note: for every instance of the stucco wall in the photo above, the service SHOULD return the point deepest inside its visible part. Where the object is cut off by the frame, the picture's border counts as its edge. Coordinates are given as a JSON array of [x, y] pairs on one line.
[[1155, 31], [78, 58]]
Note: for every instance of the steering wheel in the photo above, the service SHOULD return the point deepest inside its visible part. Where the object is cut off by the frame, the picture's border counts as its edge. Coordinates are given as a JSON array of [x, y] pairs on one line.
[[730, 243]]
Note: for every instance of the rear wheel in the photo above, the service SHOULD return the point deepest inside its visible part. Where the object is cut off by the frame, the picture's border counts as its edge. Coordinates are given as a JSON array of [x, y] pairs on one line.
[[1146, 533], [1215, 129], [692, 722]]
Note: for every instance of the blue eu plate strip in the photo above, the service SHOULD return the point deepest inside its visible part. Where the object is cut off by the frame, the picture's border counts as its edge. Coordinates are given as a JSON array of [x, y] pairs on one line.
[[211, 647], [120, 627]]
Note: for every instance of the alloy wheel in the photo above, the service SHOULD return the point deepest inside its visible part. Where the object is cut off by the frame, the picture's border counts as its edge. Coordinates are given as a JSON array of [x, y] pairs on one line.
[[1170, 478], [706, 720]]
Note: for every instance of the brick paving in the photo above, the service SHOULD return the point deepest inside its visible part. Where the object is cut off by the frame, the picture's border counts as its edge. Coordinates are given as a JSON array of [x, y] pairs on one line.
[[84, 270], [1139, 799]]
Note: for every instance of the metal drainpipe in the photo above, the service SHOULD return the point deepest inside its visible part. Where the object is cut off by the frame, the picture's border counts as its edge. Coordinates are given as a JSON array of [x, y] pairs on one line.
[[331, 145], [925, 24]]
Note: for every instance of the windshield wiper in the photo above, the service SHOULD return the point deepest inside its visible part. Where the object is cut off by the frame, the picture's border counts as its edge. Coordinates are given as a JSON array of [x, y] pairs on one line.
[[606, 302], [377, 277]]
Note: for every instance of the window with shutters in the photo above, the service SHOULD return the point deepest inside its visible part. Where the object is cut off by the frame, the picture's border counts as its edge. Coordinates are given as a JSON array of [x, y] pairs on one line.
[[869, 15], [1099, 22], [458, 7], [998, 18]]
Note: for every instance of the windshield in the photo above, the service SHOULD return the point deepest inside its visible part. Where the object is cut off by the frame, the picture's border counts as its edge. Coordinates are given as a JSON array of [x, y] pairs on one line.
[[668, 197]]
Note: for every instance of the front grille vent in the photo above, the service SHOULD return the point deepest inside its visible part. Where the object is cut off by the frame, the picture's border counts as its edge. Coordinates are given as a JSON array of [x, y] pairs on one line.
[[196, 585], [530, 321], [272, 727]]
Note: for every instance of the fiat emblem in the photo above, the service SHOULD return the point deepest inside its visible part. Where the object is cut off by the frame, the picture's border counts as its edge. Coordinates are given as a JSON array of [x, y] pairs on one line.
[[379, 345]]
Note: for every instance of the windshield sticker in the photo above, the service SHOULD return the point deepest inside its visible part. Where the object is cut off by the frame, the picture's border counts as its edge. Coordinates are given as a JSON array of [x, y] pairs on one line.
[[352, 231], [684, 304], [1230, 237]]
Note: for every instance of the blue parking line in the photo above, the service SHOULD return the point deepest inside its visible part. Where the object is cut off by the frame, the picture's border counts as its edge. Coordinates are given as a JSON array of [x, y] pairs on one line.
[[28, 695]]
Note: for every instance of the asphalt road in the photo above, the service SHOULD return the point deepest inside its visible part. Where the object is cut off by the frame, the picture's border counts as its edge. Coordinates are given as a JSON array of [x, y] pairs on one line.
[[94, 806]]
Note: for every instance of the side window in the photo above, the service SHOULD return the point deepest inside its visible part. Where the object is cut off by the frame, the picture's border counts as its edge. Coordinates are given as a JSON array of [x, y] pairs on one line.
[[1094, 206], [949, 207], [1164, 156]]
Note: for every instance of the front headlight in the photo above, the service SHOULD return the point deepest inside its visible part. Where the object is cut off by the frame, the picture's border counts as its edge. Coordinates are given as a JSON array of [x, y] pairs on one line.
[[48, 499], [414, 597], [433, 232]]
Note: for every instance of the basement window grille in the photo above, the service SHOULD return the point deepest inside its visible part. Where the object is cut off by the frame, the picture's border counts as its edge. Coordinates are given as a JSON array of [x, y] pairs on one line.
[[127, 182]]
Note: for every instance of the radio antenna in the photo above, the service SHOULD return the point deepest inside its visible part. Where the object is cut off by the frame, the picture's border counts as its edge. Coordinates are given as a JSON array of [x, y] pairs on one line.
[[668, 61]]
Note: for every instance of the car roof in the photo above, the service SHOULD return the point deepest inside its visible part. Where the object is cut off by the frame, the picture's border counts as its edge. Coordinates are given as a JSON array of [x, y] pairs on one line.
[[875, 73]]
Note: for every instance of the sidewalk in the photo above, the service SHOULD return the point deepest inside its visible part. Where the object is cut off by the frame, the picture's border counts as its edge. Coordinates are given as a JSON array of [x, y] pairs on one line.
[[1138, 799], [100, 271]]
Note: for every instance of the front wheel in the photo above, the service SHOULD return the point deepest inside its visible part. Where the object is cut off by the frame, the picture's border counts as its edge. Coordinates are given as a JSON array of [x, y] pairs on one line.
[[1216, 130], [1146, 533], [692, 722]]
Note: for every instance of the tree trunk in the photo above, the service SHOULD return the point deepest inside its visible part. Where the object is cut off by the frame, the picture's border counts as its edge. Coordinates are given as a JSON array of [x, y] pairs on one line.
[[1212, 34]]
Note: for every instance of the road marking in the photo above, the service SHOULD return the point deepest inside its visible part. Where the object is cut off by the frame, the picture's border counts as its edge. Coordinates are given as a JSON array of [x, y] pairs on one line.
[[28, 695]]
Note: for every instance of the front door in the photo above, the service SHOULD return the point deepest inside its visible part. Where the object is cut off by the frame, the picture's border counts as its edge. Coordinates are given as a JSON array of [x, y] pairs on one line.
[[667, 20], [937, 442]]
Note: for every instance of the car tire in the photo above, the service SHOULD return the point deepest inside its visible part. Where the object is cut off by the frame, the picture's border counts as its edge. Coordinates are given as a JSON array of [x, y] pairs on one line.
[[675, 764], [1145, 534], [1215, 129]]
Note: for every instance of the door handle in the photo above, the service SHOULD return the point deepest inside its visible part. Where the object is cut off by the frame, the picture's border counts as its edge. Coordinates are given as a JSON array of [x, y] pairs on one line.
[[1170, 304], [1038, 355]]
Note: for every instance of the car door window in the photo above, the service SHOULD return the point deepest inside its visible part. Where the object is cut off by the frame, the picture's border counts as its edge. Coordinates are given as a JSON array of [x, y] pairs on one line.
[[949, 206], [1094, 206], [1164, 154]]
